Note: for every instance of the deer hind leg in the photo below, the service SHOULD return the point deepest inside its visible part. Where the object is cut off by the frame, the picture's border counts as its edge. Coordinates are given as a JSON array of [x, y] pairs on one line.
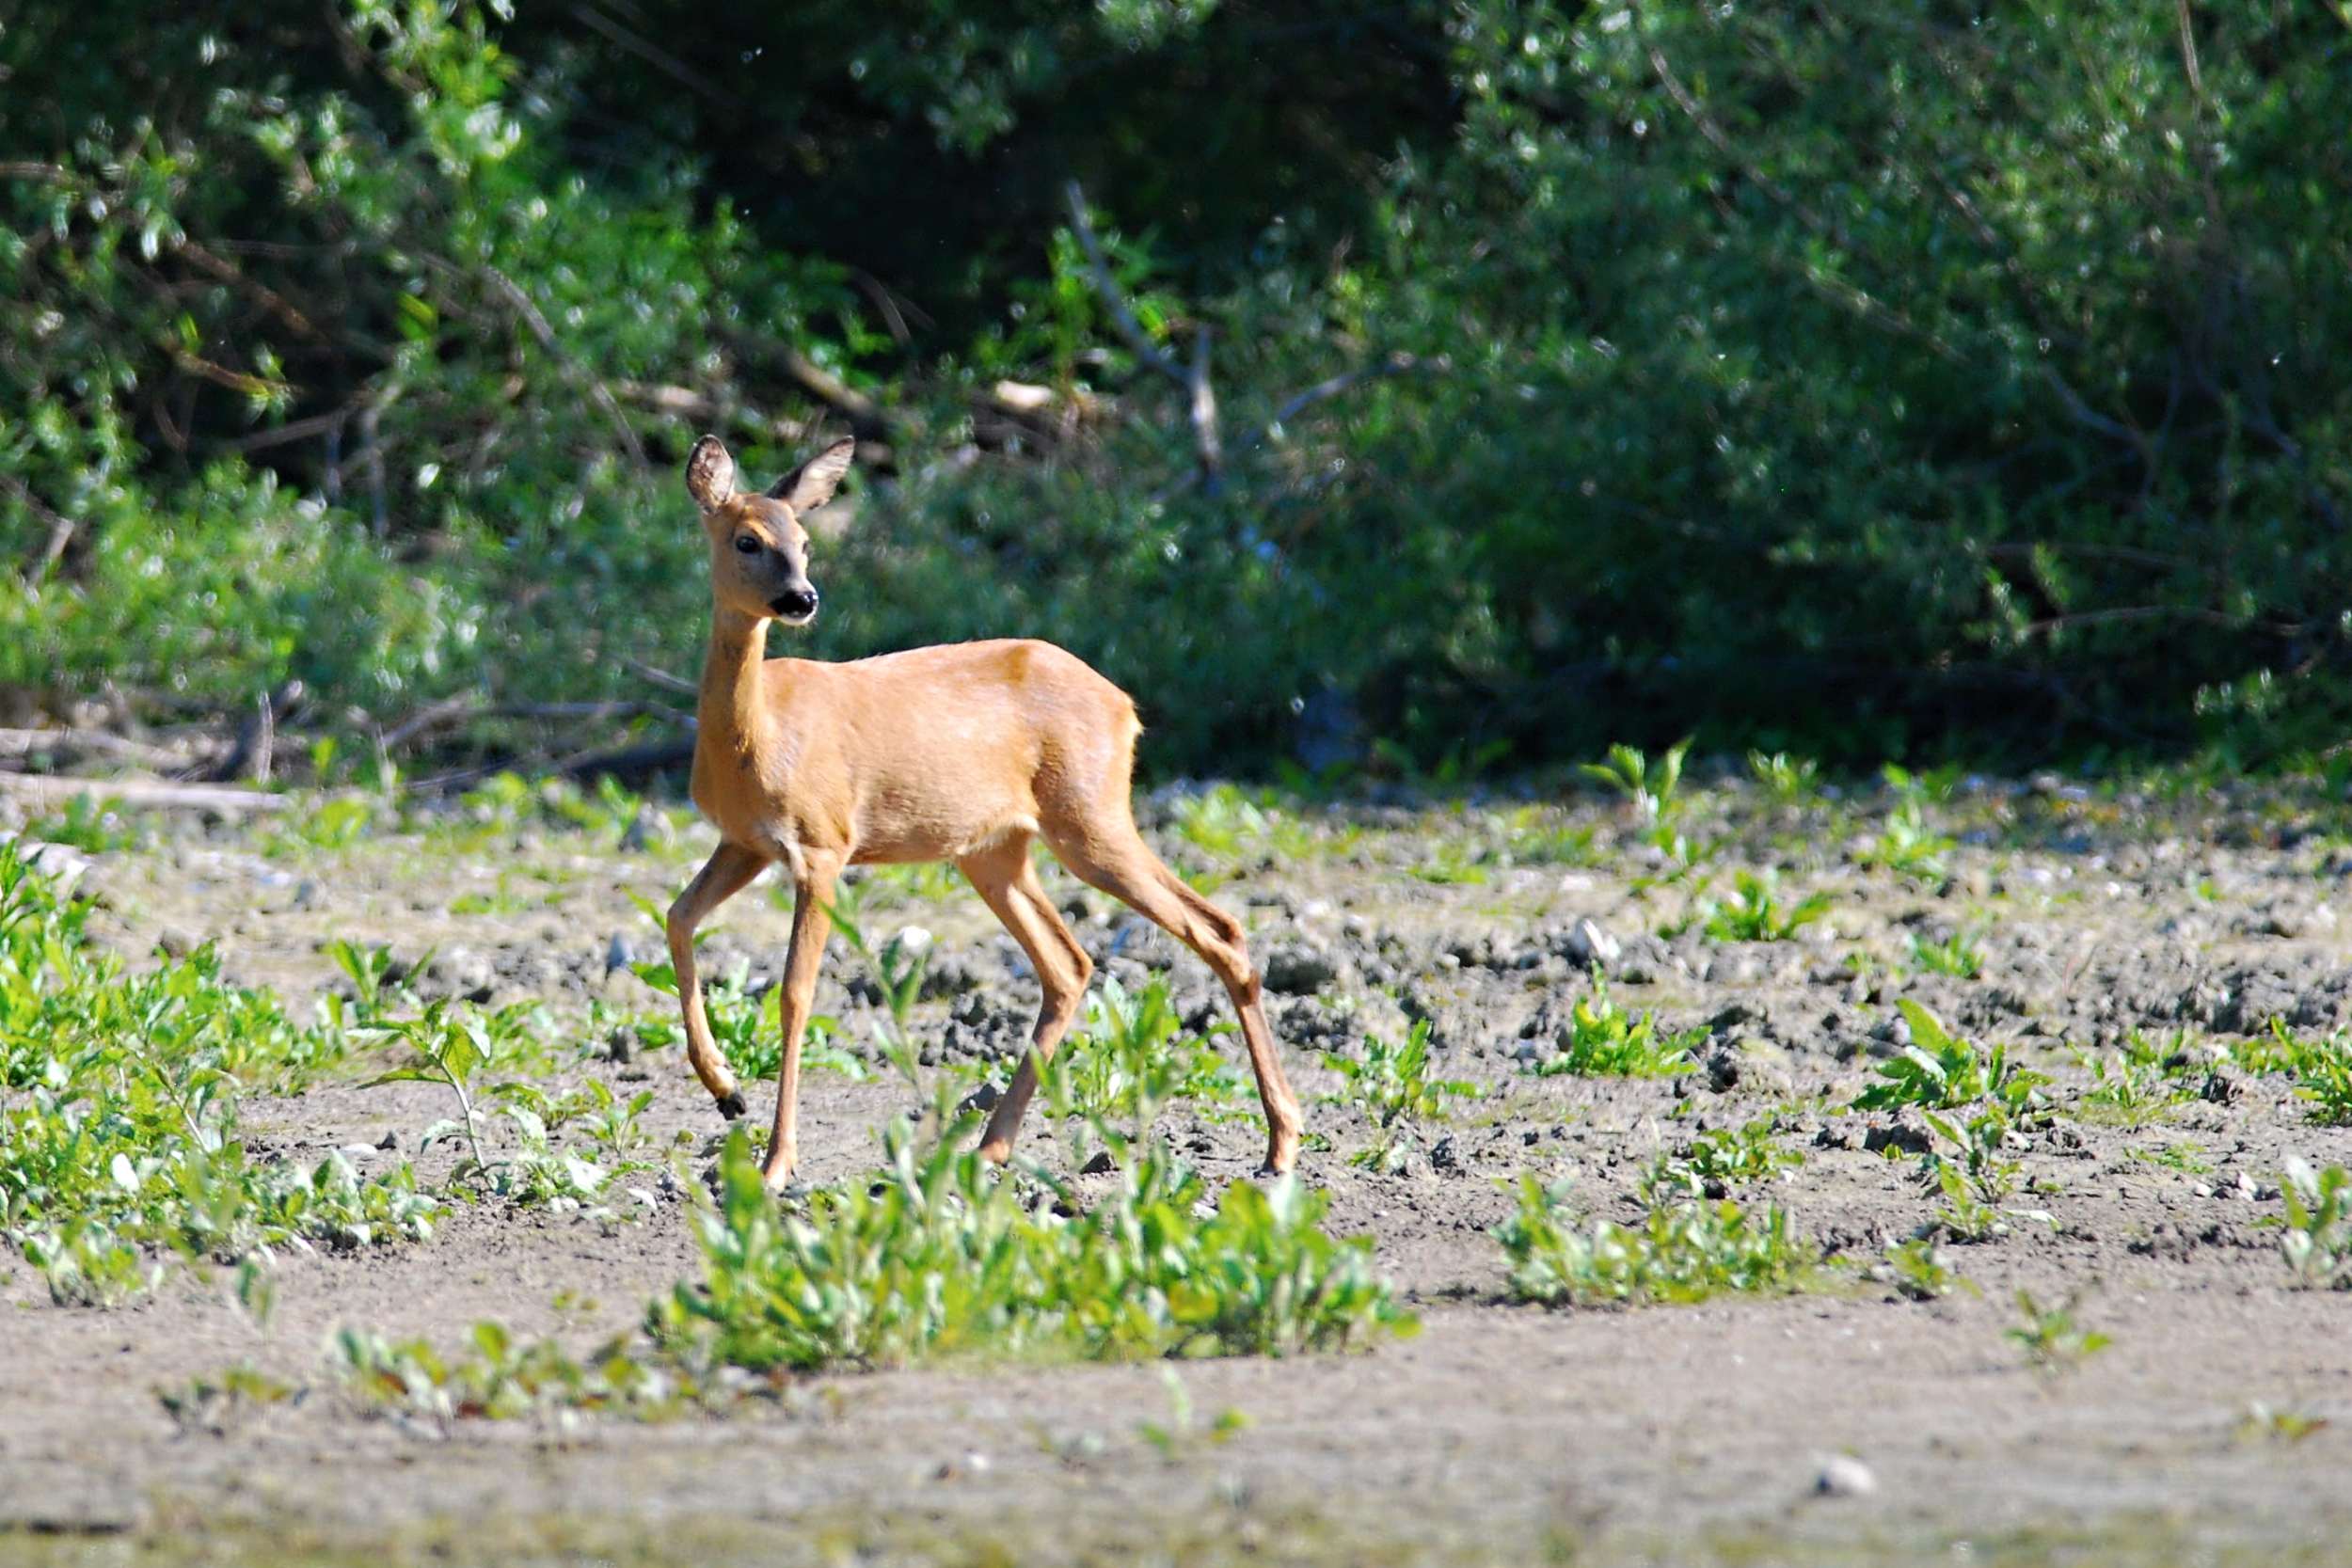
[[727, 873], [1115, 857], [1007, 880]]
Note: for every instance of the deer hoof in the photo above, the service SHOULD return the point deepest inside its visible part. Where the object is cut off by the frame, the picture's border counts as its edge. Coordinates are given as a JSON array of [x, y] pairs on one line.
[[731, 1105]]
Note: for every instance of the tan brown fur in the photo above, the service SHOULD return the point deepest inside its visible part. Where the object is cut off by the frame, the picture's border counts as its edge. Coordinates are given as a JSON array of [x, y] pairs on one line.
[[962, 753]]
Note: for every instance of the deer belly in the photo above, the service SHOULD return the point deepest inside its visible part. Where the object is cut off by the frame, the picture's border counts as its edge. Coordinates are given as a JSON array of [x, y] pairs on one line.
[[895, 830]]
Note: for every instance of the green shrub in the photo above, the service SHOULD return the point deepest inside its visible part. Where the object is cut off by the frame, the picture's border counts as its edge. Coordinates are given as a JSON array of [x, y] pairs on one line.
[[1997, 395]]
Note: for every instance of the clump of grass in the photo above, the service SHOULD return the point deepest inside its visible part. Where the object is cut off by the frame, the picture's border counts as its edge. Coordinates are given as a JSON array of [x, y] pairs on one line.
[[1604, 1040], [120, 1147], [1681, 1252], [938, 1259], [1938, 1070]]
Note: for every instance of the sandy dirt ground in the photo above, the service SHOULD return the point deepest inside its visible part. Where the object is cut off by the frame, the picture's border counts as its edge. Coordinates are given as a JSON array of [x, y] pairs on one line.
[[1504, 1434]]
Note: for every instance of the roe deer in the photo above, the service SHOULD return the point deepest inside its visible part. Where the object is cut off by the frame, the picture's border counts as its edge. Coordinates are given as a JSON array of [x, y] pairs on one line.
[[962, 753]]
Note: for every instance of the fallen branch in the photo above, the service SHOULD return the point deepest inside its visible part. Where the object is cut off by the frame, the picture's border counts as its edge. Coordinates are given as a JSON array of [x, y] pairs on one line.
[[25, 743], [156, 793], [626, 762], [827, 388], [459, 711]]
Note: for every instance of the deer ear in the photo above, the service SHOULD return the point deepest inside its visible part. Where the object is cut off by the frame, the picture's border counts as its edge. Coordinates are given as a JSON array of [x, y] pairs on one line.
[[812, 484], [710, 474]]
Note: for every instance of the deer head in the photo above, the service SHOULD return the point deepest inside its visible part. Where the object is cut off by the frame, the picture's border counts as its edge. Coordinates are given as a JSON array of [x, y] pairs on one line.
[[759, 549]]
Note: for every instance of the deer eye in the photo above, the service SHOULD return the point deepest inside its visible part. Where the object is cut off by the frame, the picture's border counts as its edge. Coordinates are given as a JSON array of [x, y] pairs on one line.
[[746, 545]]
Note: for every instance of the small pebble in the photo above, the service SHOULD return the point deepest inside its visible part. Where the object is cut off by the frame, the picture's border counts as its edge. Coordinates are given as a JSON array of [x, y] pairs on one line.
[[1844, 1476]]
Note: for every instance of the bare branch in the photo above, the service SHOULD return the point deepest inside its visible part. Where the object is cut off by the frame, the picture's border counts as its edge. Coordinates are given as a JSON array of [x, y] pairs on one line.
[[25, 743], [293, 430], [1138, 342], [1331, 387], [459, 711], [269, 299], [61, 527], [512, 293], [660, 677], [659, 58]]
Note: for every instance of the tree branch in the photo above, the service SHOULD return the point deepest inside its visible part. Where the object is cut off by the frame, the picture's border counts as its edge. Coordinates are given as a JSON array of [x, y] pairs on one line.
[[61, 527], [1123, 316], [1202, 407], [511, 291]]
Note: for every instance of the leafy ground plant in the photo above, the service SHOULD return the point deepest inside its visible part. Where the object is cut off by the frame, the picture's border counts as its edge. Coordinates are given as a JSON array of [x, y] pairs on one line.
[[1392, 1087], [1133, 1056], [1604, 1040], [1918, 1270], [500, 1377], [1938, 1070], [2317, 1239], [2053, 1341], [2322, 1069], [1682, 1252], [1755, 914], [1785, 780], [120, 1147], [1959, 956], [938, 1259], [2135, 1083], [1714, 1162], [1909, 844]]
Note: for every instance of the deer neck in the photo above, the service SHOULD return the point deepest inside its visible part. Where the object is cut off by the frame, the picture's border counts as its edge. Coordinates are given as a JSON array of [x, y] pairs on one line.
[[730, 712]]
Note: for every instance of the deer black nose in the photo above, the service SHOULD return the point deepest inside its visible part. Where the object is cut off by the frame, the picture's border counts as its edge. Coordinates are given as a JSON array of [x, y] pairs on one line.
[[795, 604]]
